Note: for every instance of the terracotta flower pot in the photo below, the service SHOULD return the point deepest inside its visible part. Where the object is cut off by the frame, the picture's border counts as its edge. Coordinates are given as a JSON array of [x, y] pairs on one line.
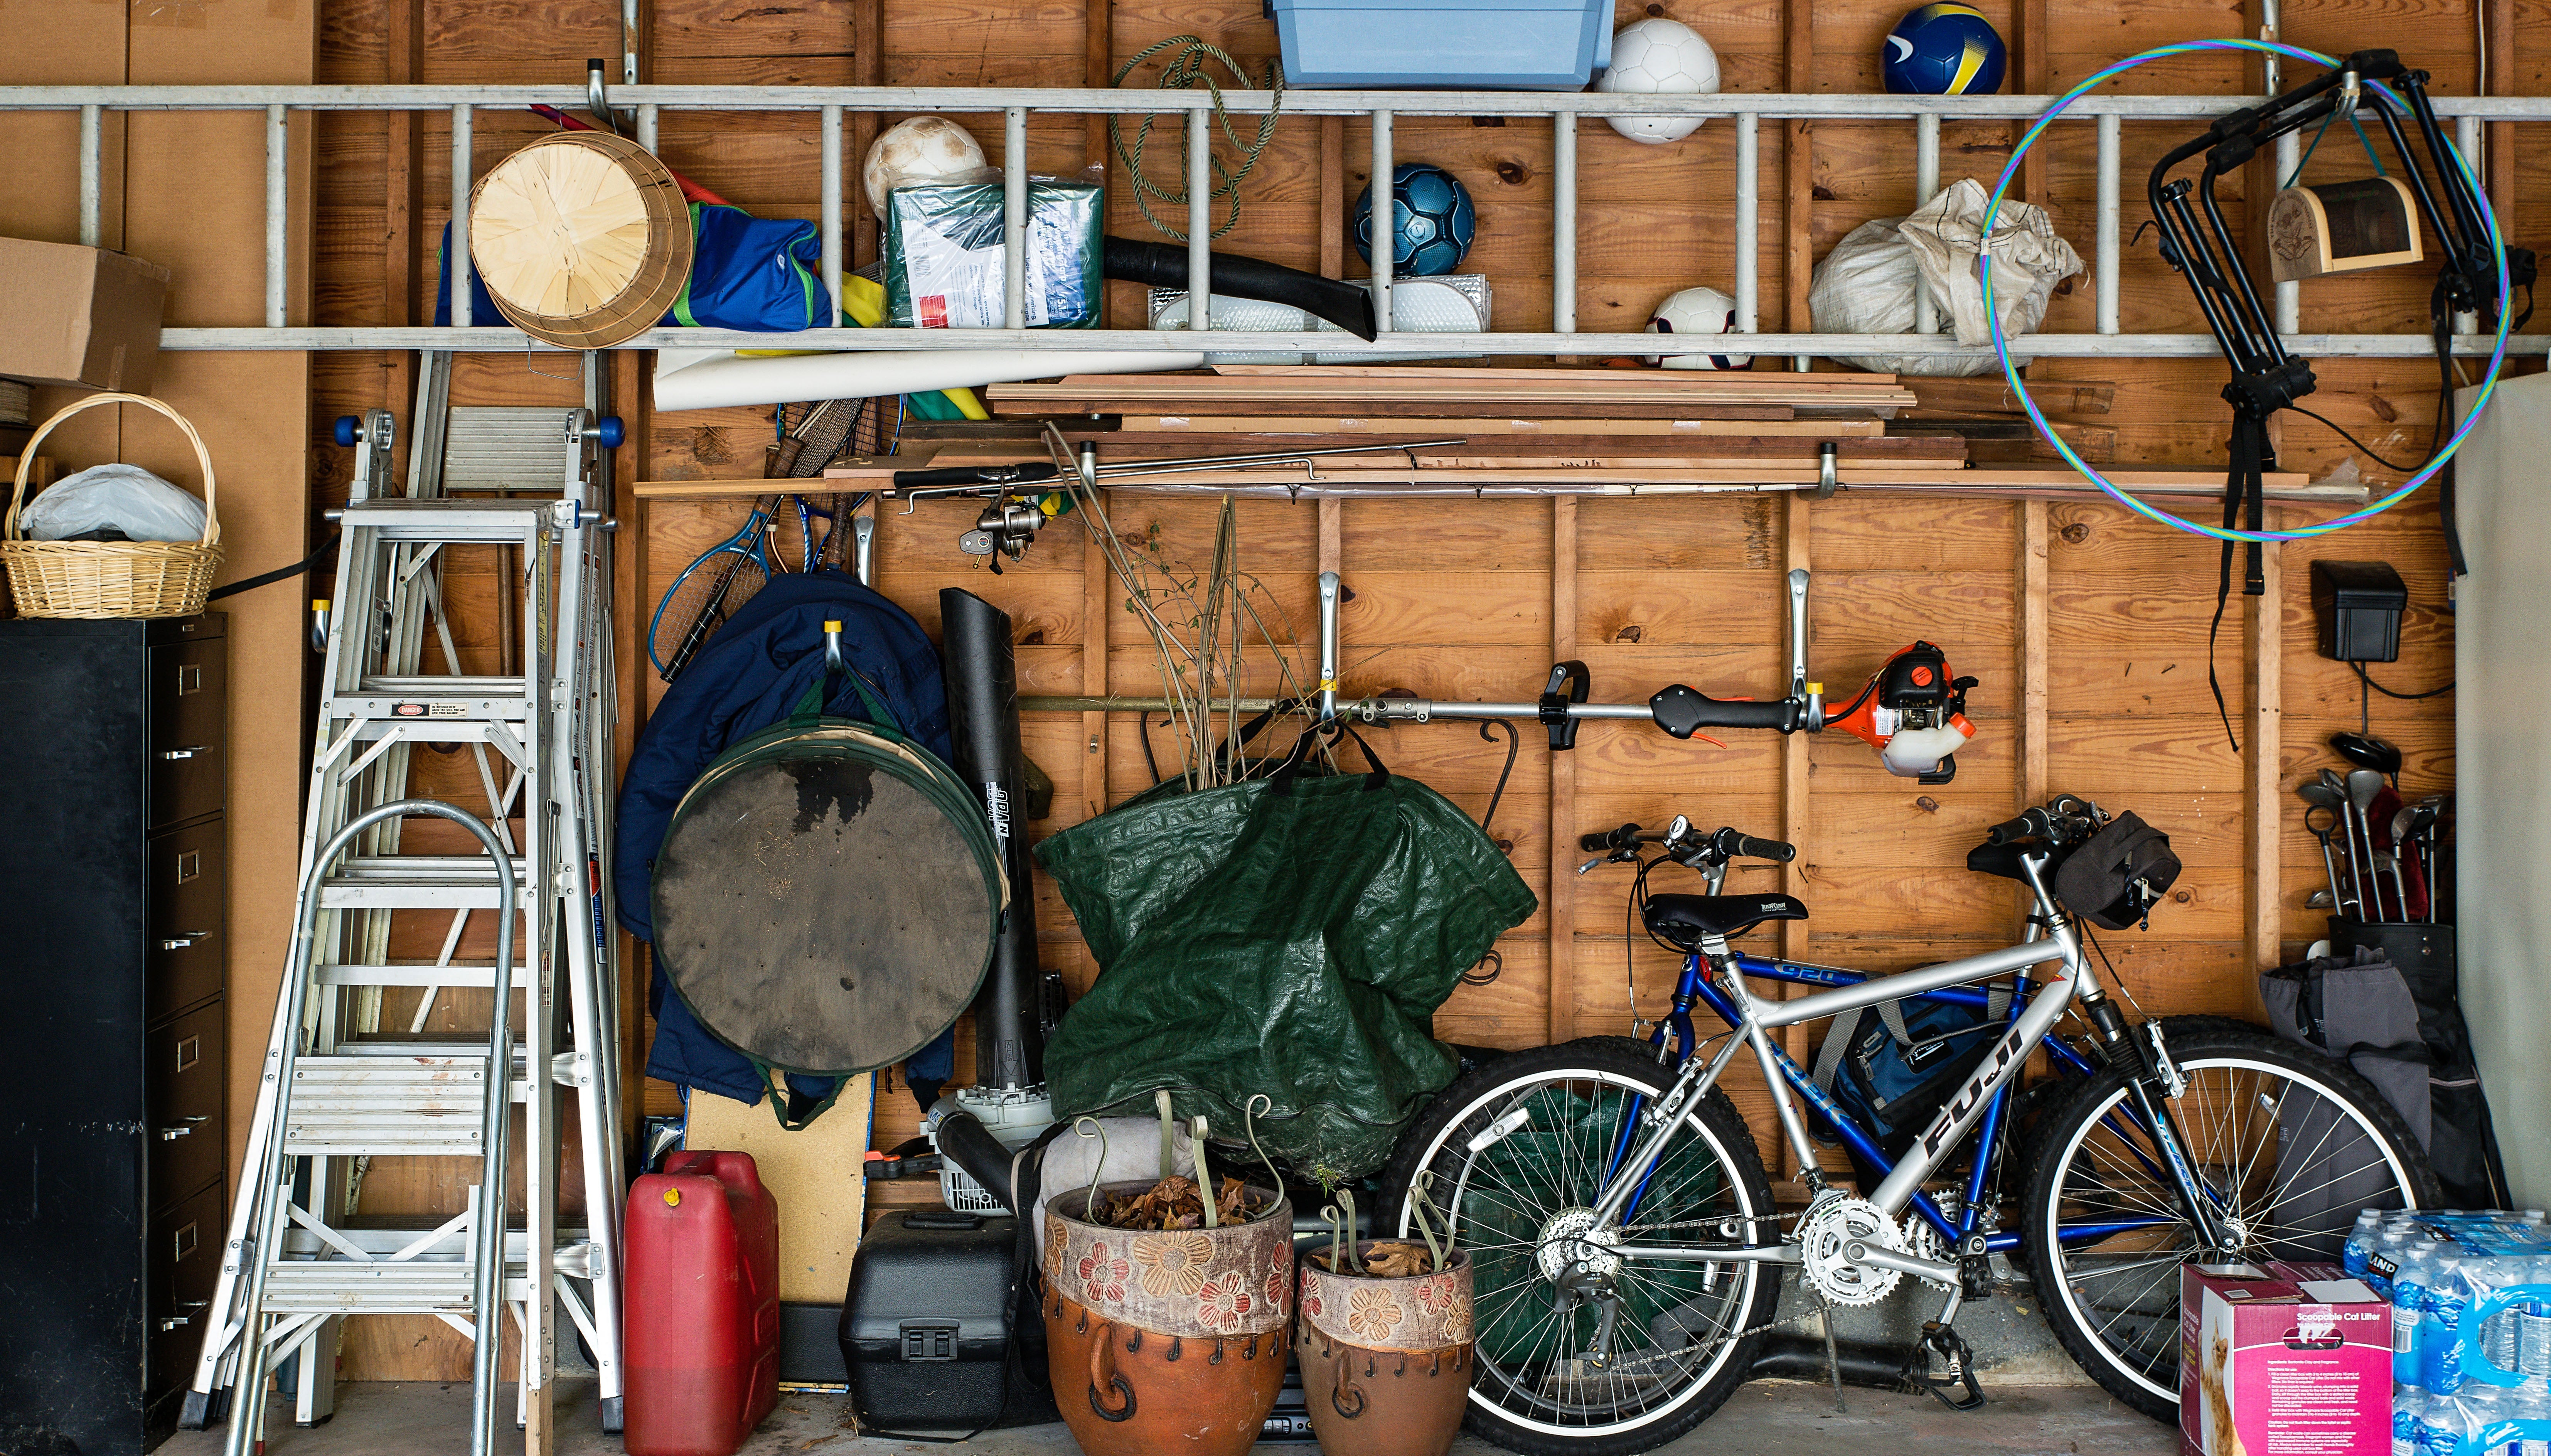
[[1167, 1340], [1385, 1362]]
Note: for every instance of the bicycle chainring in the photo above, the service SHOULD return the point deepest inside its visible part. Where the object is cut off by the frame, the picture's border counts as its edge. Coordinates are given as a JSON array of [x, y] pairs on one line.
[[1832, 1224]]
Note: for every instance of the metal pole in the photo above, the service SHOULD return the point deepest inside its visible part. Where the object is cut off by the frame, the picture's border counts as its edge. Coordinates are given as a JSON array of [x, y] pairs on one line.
[[830, 221], [277, 203], [1749, 223], [1199, 219], [1563, 222], [1328, 690], [1926, 182], [92, 223], [629, 42], [456, 266], [2465, 141], [1385, 213], [1014, 218], [2111, 145], [647, 118]]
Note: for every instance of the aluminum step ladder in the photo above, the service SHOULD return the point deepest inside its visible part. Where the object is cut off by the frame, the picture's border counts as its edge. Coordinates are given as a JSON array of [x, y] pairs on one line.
[[537, 733]]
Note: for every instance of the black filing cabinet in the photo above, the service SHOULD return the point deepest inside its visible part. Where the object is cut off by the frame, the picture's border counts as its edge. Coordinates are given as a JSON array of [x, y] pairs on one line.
[[114, 934]]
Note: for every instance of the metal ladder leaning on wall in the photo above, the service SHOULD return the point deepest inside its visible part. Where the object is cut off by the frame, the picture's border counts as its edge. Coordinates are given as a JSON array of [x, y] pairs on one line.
[[539, 735]]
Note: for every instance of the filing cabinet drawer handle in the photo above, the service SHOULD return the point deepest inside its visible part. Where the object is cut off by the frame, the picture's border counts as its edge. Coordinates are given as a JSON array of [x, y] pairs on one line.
[[172, 1134], [188, 752], [180, 1321], [183, 939]]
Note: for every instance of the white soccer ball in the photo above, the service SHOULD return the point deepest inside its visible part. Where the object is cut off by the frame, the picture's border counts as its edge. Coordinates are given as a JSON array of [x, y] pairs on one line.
[[1698, 311], [1660, 55], [925, 148]]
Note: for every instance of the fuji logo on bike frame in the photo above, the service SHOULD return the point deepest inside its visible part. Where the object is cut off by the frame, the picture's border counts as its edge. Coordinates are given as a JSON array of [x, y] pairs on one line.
[[1955, 1114]]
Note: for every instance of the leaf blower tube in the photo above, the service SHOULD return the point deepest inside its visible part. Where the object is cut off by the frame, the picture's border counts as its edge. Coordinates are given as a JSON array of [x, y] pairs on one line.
[[981, 670], [1347, 305]]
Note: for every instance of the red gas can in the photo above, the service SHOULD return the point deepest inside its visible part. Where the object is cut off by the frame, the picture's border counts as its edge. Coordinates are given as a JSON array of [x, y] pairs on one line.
[[701, 1314]]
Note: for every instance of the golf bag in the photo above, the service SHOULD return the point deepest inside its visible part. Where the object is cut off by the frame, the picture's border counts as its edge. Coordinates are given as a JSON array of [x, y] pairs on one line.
[[2401, 1029]]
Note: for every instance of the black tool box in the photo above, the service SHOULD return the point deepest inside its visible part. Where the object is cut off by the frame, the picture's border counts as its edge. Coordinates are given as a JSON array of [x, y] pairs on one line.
[[922, 1327]]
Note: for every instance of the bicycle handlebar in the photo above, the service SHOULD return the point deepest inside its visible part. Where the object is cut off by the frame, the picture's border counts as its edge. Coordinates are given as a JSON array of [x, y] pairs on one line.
[[1722, 843], [2050, 822]]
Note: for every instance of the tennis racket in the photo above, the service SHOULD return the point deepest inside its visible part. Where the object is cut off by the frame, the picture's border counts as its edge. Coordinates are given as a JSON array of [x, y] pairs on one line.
[[709, 590]]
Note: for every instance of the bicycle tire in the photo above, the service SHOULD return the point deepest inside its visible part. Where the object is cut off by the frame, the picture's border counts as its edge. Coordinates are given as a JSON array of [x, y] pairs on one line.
[[1623, 1065], [2144, 1374]]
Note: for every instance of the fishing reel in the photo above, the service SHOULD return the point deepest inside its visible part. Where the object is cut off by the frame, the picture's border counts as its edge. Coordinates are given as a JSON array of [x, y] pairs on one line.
[[1006, 528], [1914, 711]]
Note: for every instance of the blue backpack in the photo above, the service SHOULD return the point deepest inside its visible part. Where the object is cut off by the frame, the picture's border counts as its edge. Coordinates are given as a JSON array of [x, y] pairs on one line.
[[755, 672], [1893, 1067]]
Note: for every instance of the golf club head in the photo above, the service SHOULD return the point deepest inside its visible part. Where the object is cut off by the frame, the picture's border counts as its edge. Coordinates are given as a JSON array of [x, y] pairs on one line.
[[2320, 795], [2363, 785], [2368, 752], [2317, 900]]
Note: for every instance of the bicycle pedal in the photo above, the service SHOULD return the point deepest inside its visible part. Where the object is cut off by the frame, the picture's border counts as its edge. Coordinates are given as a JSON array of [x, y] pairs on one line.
[[1959, 1360]]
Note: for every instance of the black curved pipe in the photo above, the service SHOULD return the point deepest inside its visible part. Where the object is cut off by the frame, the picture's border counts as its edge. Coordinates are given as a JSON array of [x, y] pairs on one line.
[[1785, 1356], [1347, 305]]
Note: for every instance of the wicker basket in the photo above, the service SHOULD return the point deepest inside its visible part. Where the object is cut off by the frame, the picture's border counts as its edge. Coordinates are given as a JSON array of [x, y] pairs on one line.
[[110, 579]]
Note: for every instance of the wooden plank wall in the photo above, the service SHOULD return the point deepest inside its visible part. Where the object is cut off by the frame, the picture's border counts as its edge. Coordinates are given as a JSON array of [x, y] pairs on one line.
[[2087, 626]]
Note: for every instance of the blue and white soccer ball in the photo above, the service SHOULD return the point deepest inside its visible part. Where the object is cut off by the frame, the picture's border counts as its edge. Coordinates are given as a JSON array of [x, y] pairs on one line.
[[1658, 56], [1431, 221], [1944, 48], [1704, 311]]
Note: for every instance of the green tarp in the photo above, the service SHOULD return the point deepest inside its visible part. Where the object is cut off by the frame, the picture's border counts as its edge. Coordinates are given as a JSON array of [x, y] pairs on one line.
[[1290, 936]]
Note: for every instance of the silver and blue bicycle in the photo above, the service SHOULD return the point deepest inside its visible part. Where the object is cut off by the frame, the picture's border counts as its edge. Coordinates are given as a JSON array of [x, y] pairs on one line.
[[1628, 1252]]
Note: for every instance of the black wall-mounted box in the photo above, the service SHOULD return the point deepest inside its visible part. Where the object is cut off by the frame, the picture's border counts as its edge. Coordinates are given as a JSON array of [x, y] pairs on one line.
[[2358, 605]]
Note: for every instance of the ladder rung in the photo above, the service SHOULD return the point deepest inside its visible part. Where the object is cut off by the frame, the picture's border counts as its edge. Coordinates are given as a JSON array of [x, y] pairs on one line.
[[456, 522], [341, 1286], [420, 882], [506, 448], [463, 977], [389, 1106]]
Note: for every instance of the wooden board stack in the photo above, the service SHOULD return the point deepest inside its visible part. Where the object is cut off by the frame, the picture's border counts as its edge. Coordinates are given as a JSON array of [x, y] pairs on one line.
[[1540, 431]]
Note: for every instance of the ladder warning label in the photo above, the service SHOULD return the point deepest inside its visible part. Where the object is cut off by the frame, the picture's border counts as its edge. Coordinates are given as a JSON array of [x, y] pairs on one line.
[[427, 710]]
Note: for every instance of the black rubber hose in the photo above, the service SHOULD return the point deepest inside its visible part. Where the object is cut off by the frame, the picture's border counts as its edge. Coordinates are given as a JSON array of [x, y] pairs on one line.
[[1347, 305], [966, 1142], [1803, 1357]]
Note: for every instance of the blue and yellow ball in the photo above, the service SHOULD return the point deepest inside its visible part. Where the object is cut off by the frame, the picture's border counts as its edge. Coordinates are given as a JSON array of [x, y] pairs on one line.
[[1944, 48]]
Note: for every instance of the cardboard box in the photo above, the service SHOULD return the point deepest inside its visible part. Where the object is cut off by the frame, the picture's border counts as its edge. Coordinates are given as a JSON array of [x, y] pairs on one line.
[[79, 316], [2282, 1360]]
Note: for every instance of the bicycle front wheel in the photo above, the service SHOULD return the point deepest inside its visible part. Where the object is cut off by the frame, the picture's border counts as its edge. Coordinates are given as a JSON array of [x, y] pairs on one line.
[[1582, 1352], [2287, 1145]]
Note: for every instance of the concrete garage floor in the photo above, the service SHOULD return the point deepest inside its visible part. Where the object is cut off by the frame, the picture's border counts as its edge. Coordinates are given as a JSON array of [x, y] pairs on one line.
[[1763, 1419]]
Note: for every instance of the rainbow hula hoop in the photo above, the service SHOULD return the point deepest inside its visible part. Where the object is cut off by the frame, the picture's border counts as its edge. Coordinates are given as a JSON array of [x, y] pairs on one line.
[[2010, 371]]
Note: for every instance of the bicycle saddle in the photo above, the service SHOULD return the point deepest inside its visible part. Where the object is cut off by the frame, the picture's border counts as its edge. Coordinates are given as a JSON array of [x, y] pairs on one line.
[[1686, 920]]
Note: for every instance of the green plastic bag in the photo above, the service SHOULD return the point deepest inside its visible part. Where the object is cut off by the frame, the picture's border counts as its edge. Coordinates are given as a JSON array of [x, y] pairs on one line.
[[1289, 935]]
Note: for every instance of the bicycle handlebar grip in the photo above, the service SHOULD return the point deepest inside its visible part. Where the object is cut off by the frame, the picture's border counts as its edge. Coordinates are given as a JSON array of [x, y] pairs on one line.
[[2024, 827], [1765, 849], [1683, 711], [1610, 839]]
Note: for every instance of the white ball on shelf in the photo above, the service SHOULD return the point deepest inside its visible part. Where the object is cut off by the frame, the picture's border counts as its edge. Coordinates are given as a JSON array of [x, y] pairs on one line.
[[1658, 56], [1703, 311]]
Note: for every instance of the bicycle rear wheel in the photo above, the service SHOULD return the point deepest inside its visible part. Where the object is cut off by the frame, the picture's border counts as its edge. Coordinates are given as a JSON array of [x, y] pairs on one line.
[[1520, 1200], [2289, 1145]]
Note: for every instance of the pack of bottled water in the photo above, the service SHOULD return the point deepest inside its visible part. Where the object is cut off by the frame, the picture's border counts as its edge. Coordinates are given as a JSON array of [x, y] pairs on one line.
[[2471, 1327]]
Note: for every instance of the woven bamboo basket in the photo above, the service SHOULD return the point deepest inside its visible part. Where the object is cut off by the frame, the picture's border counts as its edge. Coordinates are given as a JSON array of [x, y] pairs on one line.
[[582, 238], [110, 579]]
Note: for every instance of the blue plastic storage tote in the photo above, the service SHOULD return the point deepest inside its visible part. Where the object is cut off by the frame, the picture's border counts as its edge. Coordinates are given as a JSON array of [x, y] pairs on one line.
[[1444, 45]]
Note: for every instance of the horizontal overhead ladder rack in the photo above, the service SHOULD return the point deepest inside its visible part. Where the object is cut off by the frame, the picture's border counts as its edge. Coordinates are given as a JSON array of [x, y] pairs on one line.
[[2106, 114]]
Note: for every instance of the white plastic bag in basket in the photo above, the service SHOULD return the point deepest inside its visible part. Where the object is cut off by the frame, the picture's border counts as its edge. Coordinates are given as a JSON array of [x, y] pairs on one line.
[[1865, 285], [127, 499]]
